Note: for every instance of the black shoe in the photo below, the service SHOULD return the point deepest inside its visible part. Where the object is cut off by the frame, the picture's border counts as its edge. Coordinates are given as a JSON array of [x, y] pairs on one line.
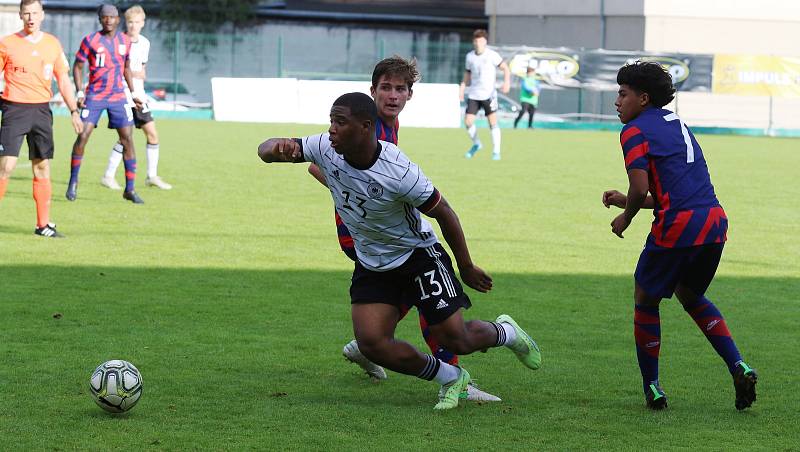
[[72, 191], [655, 397], [132, 197], [48, 230], [744, 381]]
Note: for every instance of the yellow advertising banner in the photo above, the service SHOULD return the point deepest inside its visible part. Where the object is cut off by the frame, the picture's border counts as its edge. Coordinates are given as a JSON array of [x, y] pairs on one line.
[[756, 75]]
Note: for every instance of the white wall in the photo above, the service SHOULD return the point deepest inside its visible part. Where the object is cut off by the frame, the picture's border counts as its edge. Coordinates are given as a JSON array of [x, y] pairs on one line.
[[289, 100], [764, 27], [761, 27], [723, 110]]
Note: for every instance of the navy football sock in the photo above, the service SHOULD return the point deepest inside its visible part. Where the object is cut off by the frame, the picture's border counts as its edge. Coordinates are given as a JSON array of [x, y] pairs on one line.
[[710, 321], [130, 174], [647, 332], [75, 168]]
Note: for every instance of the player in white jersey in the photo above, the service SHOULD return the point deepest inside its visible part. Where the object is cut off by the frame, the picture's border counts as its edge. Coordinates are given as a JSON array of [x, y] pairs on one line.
[[478, 89], [142, 118], [379, 194]]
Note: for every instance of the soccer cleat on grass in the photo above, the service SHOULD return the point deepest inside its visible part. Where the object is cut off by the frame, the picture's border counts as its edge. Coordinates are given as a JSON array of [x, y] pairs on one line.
[[475, 394], [110, 182], [523, 346], [132, 197], [72, 191], [48, 230], [353, 354], [475, 148], [451, 392], [655, 397], [496, 156], [156, 181], [744, 380]]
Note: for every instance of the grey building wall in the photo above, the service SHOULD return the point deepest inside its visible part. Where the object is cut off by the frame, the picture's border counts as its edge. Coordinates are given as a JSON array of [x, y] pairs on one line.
[[610, 32], [610, 24]]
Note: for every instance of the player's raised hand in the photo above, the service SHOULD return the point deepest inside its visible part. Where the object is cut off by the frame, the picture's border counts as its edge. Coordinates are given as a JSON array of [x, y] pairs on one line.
[[475, 277], [614, 198], [289, 149], [620, 224], [280, 150]]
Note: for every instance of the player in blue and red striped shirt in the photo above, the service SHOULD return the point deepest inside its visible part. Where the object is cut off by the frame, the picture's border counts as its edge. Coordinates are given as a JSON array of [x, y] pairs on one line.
[[110, 85], [685, 243]]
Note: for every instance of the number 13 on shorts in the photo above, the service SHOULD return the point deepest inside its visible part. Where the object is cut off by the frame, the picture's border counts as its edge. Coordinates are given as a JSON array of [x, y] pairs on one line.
[[428, 279]]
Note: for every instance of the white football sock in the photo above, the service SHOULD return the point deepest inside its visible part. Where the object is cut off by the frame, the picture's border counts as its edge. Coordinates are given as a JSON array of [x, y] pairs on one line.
[[473, 135], [511, 333], [114, 159], [496, 140], [152, 160], [447, 373]]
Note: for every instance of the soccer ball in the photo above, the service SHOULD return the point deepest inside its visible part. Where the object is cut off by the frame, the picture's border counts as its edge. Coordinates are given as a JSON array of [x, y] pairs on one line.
[[116, 385]]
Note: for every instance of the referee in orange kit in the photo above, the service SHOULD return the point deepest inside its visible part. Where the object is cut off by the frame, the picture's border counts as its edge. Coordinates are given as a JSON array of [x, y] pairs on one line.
[[29, 59]]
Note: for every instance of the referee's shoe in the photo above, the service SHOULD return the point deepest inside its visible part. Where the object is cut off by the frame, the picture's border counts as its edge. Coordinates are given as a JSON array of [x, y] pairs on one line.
[[48, 230]]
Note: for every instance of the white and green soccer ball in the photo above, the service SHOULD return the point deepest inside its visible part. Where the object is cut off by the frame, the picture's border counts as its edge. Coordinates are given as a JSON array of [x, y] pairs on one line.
[[116, 385]]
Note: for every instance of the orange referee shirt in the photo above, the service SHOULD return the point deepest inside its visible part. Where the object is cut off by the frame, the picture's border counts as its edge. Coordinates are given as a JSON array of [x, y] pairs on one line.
[[29, 67]]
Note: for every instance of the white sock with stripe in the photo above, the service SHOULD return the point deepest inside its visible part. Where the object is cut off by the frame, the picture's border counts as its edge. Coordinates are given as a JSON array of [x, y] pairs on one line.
[[114, 159], [506, 334], [447, 373], [439, 371], [473, 134], [496, 140], [152, 160]]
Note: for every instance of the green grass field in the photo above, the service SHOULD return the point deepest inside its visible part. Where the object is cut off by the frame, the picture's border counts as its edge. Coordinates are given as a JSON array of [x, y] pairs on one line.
[[230, 295]]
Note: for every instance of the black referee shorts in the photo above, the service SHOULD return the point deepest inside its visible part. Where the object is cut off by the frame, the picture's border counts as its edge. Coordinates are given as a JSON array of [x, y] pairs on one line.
[[32, 121]]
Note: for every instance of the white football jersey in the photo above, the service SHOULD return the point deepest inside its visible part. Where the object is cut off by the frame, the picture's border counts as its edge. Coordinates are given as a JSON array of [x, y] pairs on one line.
[[379, 204], [140, 52], [483, 73]]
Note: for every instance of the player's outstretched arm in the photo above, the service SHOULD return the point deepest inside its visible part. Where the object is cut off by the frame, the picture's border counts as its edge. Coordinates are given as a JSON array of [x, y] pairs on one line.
[[280, 150], [471, 274]]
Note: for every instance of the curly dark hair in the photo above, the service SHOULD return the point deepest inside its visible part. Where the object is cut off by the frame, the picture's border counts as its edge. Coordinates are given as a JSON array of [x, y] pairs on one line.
[[396, 66], [648, 77], [361, 106]]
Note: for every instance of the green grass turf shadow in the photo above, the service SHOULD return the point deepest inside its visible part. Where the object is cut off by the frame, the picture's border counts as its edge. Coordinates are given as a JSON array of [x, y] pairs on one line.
[[235, 359]]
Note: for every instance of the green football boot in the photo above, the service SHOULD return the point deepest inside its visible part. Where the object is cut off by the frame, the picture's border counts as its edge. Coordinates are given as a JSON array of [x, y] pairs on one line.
[[523, 346], [449, 393]]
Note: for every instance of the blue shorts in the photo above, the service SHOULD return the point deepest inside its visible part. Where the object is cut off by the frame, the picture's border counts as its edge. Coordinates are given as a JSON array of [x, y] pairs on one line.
[[660, 270], [120, 114]]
